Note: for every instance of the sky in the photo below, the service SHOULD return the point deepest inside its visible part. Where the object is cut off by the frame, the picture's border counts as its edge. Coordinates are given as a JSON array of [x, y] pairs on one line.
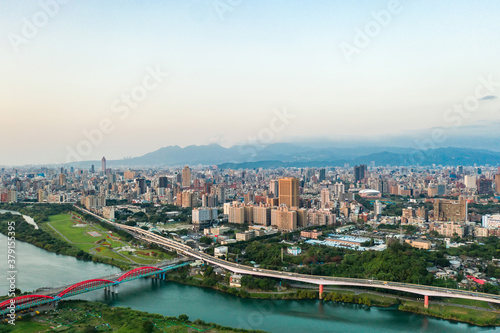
[[84, 79]]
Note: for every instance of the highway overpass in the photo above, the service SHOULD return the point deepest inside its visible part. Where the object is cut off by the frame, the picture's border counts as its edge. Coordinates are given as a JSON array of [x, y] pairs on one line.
[[321, 281]]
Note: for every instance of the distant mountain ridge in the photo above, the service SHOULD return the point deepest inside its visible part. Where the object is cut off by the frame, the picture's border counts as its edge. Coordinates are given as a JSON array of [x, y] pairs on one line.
[[301, 155]]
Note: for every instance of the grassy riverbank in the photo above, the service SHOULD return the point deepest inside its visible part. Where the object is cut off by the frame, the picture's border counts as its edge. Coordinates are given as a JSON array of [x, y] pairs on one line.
[[467, 311], [99, 241], [59, 233], [455, 313], [63, 231], [84, 316]]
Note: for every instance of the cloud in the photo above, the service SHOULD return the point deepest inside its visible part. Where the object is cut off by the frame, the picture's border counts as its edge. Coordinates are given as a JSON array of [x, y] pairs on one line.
[[487, 97]]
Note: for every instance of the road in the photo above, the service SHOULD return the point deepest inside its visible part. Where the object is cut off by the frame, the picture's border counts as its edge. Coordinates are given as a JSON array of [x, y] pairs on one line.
[[364, 291], [423, 290]]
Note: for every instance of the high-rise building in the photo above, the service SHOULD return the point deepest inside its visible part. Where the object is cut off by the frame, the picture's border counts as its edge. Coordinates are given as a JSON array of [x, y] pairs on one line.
[[325, 197], [220, 192], [140, 185], [302, 218], [162, 182], [377, 207], [186, 177], [360, 172], [338, 189], [62, 179], [450, 210], [188, 199], [129, 174], [322, 175], [262, 215], [201, 215], [422, 213], [320, 217], [283, 218], [497, 183], [110, 176], [432, 190], [484, 186], [289, 192], [103, 165], [470, 182], [248, 198], [41, 195], [274, 188], [236, 213], [441, 189]]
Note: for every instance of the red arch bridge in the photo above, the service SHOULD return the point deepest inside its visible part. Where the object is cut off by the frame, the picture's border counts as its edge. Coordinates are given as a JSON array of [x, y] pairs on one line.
[[28, 301]]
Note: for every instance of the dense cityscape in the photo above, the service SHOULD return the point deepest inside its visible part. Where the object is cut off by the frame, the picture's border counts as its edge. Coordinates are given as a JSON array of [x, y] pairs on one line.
[[226, 166], [427, 208]]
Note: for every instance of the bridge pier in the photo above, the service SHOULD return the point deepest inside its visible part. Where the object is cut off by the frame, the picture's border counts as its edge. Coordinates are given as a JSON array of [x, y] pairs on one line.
[[426, 301], [320, 291]]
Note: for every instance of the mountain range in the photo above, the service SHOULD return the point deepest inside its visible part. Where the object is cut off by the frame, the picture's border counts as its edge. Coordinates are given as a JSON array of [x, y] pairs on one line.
[[301, 155]]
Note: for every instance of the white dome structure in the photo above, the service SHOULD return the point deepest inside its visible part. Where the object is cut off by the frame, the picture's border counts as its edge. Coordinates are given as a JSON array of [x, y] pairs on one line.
[[369, 193]]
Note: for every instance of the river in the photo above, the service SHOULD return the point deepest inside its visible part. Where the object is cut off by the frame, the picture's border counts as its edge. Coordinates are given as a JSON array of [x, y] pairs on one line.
[[38, 268], [27, 218]]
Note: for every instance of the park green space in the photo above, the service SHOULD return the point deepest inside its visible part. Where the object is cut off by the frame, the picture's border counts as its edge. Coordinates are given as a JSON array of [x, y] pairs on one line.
[[27, 327], [478, 317], [64, 227], [468, 302], [377, 299], [81, 316]]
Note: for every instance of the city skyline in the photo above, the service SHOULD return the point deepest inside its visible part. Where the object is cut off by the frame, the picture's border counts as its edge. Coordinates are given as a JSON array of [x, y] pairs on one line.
[[236, 165], [223, 74]]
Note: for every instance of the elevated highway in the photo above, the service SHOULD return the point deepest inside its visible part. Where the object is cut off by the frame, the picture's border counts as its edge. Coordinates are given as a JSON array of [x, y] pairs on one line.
[[321, 281]]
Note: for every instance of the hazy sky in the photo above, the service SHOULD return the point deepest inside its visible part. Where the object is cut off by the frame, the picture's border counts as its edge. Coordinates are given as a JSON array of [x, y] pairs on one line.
[[340, 71]]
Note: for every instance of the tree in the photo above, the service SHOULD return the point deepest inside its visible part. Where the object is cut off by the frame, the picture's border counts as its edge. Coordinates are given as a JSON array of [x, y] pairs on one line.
[[490, 289], [206, 240], [455, 238], [148, 327], [183, 317], [89, 329]]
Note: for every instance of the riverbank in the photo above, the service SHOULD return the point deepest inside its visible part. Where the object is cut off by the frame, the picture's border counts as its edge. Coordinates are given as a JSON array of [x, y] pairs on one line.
[[101, 240], [68, 233], [86, 316], [40, 268], [27, 218], [483, 317], [42, 239], [453, 313]]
